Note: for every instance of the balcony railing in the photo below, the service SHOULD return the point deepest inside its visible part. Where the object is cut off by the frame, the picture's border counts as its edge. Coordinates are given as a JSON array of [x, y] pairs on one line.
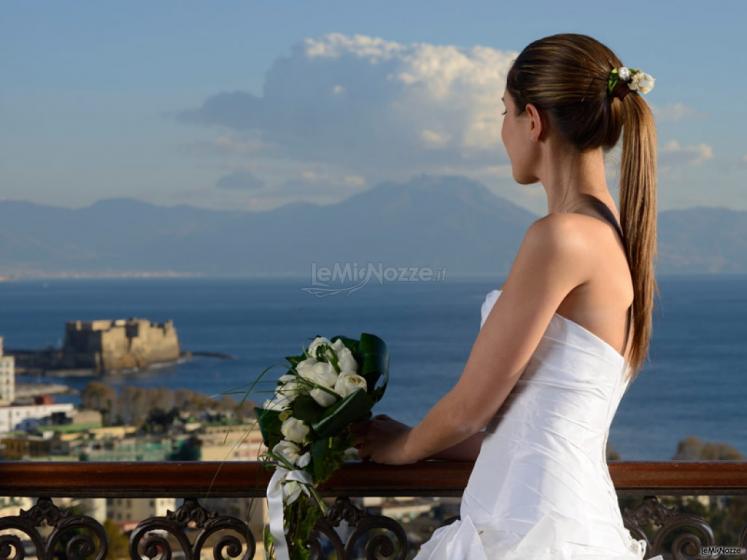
[[675, 534]]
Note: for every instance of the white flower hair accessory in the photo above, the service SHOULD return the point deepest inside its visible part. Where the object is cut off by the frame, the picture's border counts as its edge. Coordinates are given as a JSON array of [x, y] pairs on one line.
[[634, 78]]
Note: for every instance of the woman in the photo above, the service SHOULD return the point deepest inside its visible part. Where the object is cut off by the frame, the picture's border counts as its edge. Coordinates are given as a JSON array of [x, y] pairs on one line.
[[557, 350]]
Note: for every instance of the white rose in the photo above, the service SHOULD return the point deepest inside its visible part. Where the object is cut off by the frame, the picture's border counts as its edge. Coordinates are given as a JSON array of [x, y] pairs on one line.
[[286, 377], [642, 82], [305, 365], [349, 382], [294, 430], [289, 390], [351, 453], [316, 343], [345, 358], [304, 459], [292, 489], [288, 450], [279, 402], [321, 373], [646, 83], [624, 73], [322, 397]]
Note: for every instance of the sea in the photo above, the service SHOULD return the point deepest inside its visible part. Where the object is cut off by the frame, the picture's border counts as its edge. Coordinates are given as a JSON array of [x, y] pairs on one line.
[[693, 384]]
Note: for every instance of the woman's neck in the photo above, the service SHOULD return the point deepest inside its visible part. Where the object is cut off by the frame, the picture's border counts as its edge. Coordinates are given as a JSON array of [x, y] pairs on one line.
[[566, 177]]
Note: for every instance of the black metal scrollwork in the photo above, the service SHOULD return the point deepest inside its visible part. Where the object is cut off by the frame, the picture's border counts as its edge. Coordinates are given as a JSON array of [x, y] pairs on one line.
[[70, 532], [388, 539], [692, 531], [149, 534], [56, 533]]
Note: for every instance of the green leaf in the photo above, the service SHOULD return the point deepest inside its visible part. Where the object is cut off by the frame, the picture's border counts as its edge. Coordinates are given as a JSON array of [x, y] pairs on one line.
[[269, 424], [319, 458], [350, 343], [327, 455], [268, 542], [330, 356], [374, 364], [295, 359], [308, 514], [356, 406], [307, 409]]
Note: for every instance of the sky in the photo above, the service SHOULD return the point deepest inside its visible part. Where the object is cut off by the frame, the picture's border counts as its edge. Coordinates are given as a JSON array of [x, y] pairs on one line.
[[252, 105]]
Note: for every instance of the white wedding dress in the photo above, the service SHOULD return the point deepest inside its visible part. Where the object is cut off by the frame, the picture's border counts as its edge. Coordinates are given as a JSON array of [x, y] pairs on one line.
[[540, 488]]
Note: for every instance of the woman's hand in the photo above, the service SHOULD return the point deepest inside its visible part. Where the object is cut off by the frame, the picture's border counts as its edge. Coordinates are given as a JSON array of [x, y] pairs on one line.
[[382, 440]]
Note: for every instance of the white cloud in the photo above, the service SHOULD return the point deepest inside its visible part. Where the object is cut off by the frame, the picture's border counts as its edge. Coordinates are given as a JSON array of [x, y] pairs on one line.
[[434, 139], [336, 45], [673, 111], [312, 183], [315, 184], [227, 144], [341, 112], [240, 180], [366, 105], [308, 186], [674, 153], [354, 180]]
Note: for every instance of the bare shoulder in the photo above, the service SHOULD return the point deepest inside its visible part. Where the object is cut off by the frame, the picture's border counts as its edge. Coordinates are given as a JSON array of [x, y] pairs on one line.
[[556, 247], [559, 238]]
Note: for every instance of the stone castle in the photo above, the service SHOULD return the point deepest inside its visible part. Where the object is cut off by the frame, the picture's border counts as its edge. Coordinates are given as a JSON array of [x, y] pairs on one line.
[[119, 344]]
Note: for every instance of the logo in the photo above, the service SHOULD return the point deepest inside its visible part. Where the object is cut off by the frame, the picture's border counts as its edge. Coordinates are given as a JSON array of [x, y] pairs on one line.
[[346, 278]]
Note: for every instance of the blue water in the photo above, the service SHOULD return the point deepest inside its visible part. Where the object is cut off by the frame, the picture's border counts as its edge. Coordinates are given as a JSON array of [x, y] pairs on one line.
[[694, 383]]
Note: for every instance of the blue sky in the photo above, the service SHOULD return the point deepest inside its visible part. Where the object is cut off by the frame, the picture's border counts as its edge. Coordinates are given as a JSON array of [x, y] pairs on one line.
[[225, 104]]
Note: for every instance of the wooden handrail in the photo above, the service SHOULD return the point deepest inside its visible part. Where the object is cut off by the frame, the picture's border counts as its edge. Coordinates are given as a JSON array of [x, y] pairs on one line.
[[202, 479]]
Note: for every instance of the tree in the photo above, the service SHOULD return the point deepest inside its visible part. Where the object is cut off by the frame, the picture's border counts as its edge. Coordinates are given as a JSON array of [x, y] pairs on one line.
[[160, 421], [119, 545], [692, 448], [612, 454], [102, 397], [133, 404], [189, 450]]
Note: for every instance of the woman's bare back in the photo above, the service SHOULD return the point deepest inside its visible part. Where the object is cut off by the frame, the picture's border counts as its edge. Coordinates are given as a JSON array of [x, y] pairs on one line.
[[601, 304]]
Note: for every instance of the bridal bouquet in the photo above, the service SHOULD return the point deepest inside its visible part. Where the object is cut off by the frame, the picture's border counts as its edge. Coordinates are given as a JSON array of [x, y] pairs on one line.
[[305, 428]]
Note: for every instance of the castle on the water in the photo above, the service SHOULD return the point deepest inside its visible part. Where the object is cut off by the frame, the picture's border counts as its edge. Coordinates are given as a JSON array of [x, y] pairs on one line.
[[118, 344]]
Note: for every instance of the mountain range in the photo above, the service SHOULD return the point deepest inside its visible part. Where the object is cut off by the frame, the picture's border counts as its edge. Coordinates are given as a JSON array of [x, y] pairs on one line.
[[441, 222]]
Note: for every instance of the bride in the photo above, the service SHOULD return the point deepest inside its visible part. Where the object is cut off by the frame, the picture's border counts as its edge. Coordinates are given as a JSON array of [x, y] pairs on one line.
[[551, 361]]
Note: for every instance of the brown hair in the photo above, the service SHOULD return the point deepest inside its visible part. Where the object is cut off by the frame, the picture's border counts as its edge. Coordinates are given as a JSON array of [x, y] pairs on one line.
[[565, 76]]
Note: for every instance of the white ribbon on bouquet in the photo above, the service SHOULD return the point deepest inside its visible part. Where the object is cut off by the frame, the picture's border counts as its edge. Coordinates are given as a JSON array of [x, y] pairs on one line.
[[275, 506]]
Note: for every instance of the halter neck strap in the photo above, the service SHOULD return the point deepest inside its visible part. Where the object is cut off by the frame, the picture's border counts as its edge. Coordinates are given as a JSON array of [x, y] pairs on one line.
[[610, 217]]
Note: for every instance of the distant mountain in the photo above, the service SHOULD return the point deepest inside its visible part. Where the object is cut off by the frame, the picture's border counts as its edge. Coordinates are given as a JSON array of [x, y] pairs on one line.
[[703, 239], [439, 222]]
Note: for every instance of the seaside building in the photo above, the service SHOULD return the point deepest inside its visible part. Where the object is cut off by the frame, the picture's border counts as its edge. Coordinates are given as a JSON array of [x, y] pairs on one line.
[[118, 344], [23, 417], [232, 442], [7, 377], [127, 512]]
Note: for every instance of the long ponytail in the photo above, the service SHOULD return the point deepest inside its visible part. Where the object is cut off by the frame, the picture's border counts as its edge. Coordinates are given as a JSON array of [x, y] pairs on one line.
[[638, 217]]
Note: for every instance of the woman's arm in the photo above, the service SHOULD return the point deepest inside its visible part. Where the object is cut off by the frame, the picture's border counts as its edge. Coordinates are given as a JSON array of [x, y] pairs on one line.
[[466, 450]]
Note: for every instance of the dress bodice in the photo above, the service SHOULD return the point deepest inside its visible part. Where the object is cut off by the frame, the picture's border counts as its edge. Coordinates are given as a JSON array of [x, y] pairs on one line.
[[570, 356], [540, 487]]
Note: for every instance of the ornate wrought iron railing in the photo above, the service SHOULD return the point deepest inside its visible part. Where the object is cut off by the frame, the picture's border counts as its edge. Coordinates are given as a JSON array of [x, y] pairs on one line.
[[667, 530]]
